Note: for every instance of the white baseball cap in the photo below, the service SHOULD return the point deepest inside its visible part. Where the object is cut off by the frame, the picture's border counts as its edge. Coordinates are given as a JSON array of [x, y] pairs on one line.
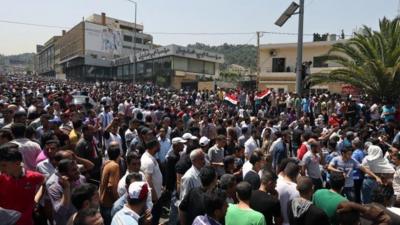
[[204, 141], [138, 190], [189, 136], [177, 140]]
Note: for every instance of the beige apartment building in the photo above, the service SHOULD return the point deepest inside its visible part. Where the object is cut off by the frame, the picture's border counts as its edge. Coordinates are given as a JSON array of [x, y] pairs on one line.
[[278, 65]]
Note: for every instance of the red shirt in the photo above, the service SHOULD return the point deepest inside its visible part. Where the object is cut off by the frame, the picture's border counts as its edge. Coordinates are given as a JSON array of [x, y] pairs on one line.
[[19, 194], [301, 151]]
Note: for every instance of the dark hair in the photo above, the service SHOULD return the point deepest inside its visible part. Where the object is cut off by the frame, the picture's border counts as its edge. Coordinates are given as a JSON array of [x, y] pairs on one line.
[[18, 130], [9, 153], [307, 135], [226, 181], [82, 193], [336, 180], [113, 152], [207, 175], [80, 218], [5, 133], [255, 157], [304, 185], [347, 149], [243, 190], [132, 176], [152, 143], [85, 128], [214, 201], [63, 165], [30, 132], [229, 160], [77, 124], [284, 163], [267, 176], [382, 193], [292, 170], [132, 156]]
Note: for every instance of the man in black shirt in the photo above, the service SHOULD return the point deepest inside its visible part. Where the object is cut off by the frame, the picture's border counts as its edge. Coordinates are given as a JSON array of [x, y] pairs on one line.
[[265, 200], [257, 160], [301, 211]]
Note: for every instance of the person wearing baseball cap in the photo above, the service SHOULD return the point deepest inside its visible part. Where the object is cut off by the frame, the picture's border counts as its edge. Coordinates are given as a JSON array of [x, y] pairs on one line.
[[136, 207]]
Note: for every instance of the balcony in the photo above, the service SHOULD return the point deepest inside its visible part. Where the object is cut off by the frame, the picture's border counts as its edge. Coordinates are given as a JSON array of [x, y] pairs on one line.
[[291, 71]]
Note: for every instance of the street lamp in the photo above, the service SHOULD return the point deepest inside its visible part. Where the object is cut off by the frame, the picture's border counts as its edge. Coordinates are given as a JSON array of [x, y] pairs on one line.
[[291, 10], [134, 43]]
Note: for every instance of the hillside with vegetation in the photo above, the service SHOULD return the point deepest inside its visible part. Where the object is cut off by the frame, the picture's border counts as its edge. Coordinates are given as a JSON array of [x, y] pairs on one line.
[[244, 55]]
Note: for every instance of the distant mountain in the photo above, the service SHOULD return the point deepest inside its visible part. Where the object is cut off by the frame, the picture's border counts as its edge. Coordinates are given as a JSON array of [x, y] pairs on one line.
[[244, 55]]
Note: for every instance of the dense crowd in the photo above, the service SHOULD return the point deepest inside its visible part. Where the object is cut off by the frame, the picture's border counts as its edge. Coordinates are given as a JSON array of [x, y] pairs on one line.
[[117, 153]]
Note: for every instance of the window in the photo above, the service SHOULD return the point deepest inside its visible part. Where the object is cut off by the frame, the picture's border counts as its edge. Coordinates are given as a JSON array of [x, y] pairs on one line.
[[209, 68], [278, 65], [319, 61], [126, 47], [180, 64], [196, 66], [128, 38], [126, 70], [138, 40]]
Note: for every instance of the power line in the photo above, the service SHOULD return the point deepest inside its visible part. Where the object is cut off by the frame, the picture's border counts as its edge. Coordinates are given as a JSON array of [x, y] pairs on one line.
[[33, 24], [166, 33]]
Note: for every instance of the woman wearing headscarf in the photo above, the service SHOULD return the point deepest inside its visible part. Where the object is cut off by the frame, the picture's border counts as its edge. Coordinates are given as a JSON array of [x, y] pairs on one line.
[[379, 165]]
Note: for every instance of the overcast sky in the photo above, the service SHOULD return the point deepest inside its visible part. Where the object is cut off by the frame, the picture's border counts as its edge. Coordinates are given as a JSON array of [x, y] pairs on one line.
[[189, 16]]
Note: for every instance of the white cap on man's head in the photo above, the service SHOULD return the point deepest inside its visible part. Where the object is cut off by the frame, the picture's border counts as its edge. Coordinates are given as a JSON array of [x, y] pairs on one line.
[[138, 190], [189, 136], [204, 141], [177, 140]]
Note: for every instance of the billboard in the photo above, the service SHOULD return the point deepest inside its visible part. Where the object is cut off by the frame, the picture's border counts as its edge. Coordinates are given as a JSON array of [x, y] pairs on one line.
[[103, 39]]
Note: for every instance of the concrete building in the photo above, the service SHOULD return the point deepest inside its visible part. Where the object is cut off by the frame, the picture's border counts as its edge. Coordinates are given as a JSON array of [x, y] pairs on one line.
[[45, 59], [103, 48], [172, 65], [278, 65]]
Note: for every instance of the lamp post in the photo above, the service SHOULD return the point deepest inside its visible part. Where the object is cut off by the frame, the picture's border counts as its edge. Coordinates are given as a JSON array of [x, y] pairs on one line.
[[134, 43], [291, 10]]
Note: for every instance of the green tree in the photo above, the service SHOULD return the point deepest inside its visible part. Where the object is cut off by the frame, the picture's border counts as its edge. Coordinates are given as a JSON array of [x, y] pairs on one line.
[[369, 61]]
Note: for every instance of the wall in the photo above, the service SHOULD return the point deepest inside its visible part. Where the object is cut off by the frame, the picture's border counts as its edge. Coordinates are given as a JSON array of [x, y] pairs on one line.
[[72, 43]]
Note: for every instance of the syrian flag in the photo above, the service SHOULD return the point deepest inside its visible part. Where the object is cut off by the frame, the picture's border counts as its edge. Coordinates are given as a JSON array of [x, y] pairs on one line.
[[231, 98], [262, 95]]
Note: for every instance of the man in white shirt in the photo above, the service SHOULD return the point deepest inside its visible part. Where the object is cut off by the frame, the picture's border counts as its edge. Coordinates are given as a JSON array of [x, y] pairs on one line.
[[29, 149], [133, 165], [106, 117], [131, 133], [154, 178], [251, 144], [286, 188]]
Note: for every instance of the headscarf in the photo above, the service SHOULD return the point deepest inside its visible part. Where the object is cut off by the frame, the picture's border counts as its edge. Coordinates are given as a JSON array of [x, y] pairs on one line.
[[376, 162]]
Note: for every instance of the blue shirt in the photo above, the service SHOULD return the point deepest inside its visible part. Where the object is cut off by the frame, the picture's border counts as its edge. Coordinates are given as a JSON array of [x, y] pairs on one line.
[[278, 153], [386, 109], [125, 216], [305, 103], [119, 204], [358, 155], [165, 145], [346, 167]]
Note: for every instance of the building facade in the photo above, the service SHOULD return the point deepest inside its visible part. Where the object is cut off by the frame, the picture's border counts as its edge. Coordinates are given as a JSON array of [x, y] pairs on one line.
[[104, 48], [278, 65]]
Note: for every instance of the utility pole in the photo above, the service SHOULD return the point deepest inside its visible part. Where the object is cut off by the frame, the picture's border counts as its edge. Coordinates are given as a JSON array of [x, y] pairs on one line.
[[258, 59], [299, 64], [134, 44]]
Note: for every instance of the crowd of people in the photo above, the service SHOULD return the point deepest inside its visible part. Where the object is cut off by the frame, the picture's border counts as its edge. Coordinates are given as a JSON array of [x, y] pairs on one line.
[[141, 154]]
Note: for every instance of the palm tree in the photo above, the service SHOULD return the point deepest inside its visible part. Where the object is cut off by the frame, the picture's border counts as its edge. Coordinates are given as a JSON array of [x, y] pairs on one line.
[[369, 61]]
